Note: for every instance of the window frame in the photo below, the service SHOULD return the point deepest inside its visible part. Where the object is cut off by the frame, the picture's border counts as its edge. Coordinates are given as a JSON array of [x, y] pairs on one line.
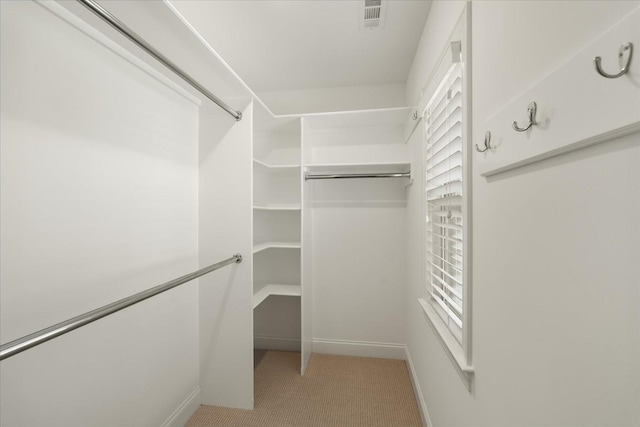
[[459, 352]]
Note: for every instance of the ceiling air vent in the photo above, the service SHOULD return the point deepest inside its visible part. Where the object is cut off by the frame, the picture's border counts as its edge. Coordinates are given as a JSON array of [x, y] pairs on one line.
[[372, 13]]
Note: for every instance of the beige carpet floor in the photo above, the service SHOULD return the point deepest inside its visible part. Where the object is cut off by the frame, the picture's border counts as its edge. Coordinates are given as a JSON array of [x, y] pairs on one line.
[[335, 391]]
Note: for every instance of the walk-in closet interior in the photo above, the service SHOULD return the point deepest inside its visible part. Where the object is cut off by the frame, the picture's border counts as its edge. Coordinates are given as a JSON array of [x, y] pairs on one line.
[[452, 185]]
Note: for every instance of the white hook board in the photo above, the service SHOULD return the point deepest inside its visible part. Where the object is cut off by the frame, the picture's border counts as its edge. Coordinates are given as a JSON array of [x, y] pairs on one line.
[[577, 107]]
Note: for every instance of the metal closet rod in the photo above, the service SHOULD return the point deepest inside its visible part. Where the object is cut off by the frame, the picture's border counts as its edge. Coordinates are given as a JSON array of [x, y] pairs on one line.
[[142, 43], [358, 175], [21, 344]]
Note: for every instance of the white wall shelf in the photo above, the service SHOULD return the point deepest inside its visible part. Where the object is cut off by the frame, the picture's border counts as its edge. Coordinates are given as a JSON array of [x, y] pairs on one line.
[[275, 166], [277, 208], [275, 245], [382, 167], [272, 289], [276, 186], [385, 117]]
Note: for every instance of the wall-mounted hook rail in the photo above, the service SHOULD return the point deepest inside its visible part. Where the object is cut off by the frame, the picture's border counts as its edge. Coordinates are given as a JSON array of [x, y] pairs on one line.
[[487, 143], [624, 49], [531, 111]]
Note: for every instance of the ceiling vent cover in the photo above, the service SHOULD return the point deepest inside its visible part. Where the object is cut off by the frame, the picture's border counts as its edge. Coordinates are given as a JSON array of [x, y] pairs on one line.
[[373, 13]]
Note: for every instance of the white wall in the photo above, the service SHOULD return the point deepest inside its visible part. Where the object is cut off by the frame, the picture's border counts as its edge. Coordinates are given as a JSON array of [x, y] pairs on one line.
[[99, 201], [277, 323], [358, 263], [357, 238], [556, 298]]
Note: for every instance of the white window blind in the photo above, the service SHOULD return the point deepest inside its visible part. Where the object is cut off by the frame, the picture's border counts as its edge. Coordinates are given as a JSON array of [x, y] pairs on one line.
[[443, 160]]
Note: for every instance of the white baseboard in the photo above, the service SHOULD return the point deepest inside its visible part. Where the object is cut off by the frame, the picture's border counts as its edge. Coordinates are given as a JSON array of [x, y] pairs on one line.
[[276, 343], [422, 406], [360, 348], [186, 409]]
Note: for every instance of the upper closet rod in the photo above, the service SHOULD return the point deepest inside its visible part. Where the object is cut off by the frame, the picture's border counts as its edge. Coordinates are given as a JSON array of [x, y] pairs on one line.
[[358, 175], [131, 35]]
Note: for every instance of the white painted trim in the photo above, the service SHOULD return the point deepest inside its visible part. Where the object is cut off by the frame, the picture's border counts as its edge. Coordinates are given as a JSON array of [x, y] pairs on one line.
[[105, 41], [422, 405], [467, 170], [458, 352], [181, 415], [359, 348], [276, 343], [449, 343]]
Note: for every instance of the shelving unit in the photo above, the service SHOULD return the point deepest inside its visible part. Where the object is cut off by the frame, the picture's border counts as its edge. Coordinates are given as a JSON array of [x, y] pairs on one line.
[[286, 208], [277, 208], [279, 290], [277, 190], [276, 187]]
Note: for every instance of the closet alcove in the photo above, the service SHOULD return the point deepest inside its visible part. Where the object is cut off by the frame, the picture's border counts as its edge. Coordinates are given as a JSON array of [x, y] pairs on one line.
[[353, 250], [328, 253]]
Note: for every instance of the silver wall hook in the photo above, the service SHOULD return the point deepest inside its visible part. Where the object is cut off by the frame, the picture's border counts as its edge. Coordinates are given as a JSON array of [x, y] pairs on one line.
[[626, 47], [487, 143], [531, 110]]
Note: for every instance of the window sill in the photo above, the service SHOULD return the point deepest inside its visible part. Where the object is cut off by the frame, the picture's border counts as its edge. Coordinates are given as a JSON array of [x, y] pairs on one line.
[[449, 343]]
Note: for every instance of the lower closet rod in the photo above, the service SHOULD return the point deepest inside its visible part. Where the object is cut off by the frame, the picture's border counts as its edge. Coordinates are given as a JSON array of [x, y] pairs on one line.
[[358, 175], [21, 344]]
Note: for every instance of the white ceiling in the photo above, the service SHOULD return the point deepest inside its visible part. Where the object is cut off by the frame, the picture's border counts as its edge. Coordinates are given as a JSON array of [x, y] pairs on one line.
[[308, 44]]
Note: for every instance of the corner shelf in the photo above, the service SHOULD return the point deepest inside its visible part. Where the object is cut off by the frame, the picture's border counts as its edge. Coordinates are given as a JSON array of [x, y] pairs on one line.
[[275, 167], [282, 290], [276, 245], [277, 208], [383, 117], [276, 227]]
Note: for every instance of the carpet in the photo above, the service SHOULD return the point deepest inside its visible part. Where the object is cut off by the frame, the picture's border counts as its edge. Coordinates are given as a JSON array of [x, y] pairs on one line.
[[335, 391]]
